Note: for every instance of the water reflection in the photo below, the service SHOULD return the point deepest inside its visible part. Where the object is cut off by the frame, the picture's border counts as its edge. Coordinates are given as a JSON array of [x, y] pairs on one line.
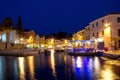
[[78, 62], [107, 73], [58, 66], [2, 68], [97, 67], [52, 61], [21, 68], [31, 67], [84, 67]]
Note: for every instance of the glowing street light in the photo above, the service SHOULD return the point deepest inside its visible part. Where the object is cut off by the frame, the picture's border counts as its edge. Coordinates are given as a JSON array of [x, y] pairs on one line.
[[107, 24], [21, 40]]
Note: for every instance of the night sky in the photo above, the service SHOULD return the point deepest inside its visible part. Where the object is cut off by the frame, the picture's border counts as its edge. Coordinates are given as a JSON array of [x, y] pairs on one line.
[[51, 16]]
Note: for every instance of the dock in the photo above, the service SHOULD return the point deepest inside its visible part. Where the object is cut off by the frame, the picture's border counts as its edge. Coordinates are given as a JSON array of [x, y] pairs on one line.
[[17, 52]]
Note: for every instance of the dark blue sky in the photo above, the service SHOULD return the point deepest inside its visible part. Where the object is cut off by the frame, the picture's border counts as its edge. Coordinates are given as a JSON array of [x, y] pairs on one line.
[[51, 16]]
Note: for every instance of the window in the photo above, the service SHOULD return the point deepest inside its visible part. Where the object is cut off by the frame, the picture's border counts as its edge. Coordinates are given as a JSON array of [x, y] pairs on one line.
[[119, 32], [82, 32], [93, 25], [88, 29], [97, 35], [119, 43], [102, 21], [103, 32], [93, 34], [118, 19], [96, 23]]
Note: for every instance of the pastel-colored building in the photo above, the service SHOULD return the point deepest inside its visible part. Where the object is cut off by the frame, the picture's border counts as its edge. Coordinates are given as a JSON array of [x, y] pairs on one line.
[[42, 41], [87, 33], [104, 32], [106, 29], [80, 35], [37, 41], [30, 35], [14, 38]]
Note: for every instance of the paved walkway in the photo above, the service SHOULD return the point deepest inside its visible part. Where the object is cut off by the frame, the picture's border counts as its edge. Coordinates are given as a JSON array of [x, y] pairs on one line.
[[116, 52]]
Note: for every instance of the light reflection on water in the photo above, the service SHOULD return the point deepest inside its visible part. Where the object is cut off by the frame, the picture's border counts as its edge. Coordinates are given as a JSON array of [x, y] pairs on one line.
[[57, 66], [2, 68], [107, 73], [52, 60], [21, 68], [31, 67]]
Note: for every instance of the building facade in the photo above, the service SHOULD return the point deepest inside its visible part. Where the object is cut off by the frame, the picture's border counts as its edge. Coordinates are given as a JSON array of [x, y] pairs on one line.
[[106, 29], [104, 32]]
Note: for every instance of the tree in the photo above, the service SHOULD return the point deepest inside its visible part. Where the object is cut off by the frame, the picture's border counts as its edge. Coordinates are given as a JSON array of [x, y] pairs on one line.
[[62, 35], [7, 24], [19, 26]]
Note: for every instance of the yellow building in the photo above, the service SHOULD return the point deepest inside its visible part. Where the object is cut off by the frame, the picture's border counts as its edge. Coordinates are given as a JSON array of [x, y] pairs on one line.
[[77, 37], [50, 42], [42, 41], [80, 35], [87, 33]]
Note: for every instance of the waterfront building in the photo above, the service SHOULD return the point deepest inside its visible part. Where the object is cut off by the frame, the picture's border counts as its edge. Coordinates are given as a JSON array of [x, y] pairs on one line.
[[80, 35], [87, 33], [42, 41], [79, 39], [37, 42], [14, 38], [104, 32], [29, 37], [50, 43]]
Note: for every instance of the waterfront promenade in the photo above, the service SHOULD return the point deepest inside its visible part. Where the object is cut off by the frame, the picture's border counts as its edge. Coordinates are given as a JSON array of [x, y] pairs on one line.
[[18, 52], [114, 52]]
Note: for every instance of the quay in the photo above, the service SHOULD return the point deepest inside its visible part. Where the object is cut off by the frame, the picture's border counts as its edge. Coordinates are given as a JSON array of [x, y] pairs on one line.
[[18, 52], [99, 54], [85, 53]]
